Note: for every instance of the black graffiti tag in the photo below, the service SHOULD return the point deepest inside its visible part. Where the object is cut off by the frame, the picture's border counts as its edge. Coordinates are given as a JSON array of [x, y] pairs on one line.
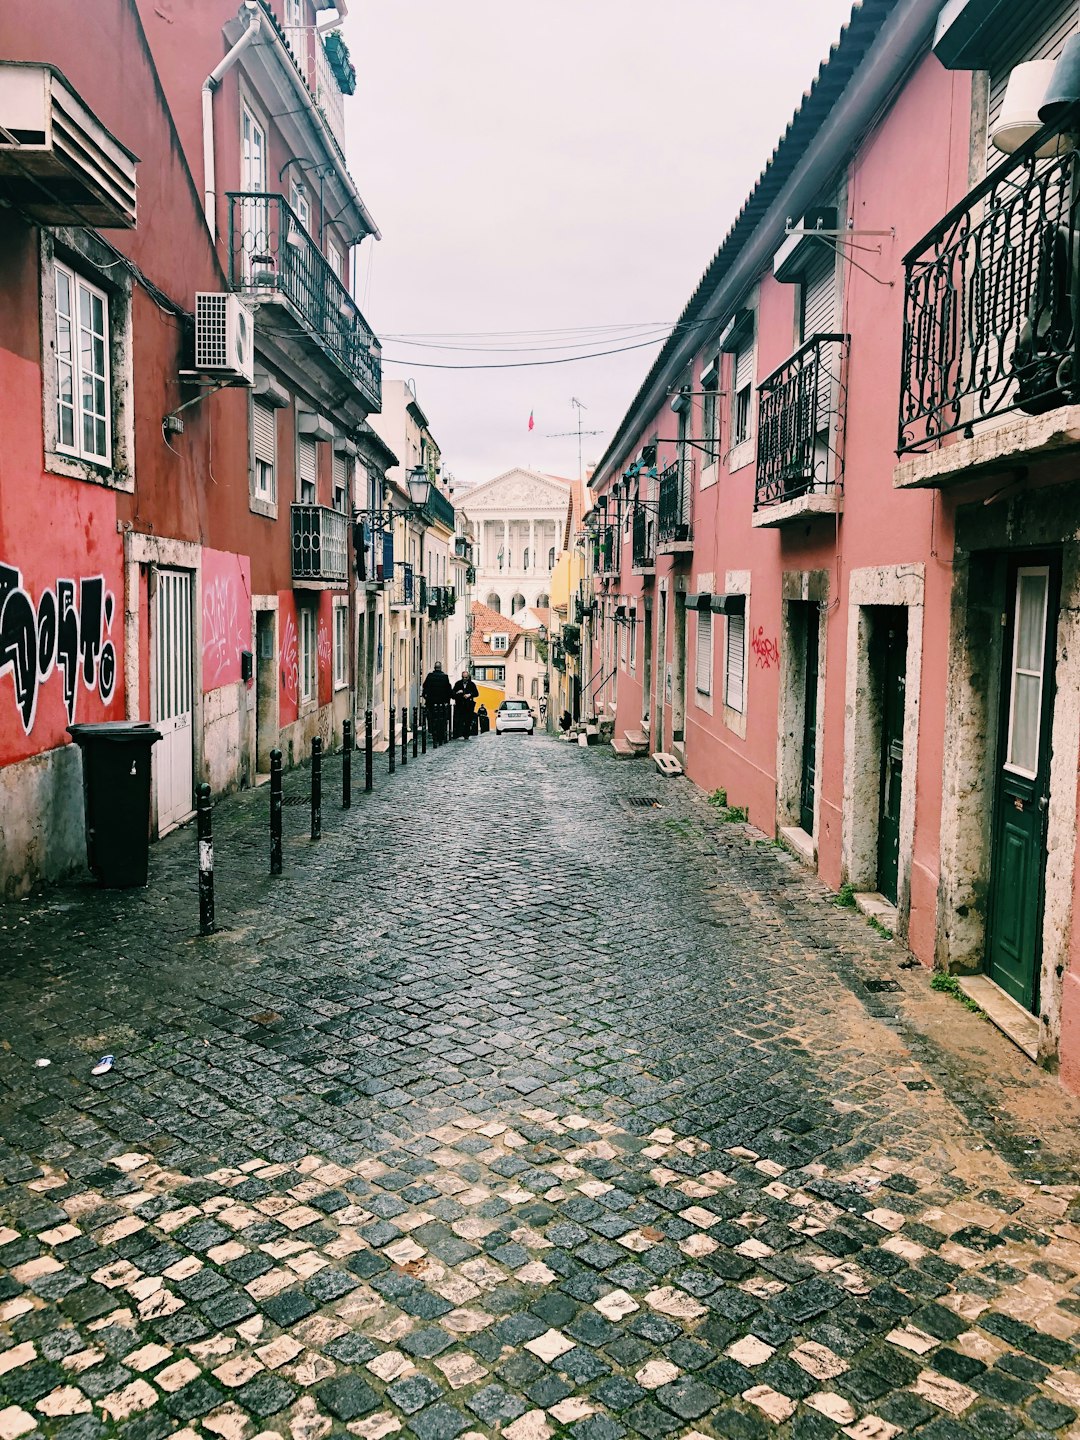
[[59, 634]]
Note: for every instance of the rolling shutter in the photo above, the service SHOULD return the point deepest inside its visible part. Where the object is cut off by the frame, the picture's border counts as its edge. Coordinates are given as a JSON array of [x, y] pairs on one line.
[[744, 367], [306, 467], [819, 292], [704, 653], [735, 662], [1037, 31], [264, 432]]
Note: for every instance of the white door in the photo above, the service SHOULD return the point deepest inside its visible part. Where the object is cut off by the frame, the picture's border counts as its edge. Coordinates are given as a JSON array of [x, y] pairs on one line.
[[172, 685], [255, 239]]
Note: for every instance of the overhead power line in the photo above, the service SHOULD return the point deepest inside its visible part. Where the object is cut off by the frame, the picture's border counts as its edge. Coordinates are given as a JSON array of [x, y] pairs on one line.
[[516, 364]]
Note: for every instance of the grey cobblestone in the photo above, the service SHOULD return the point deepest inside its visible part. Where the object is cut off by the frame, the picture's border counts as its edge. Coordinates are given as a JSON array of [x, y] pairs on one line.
[[510, 1110]]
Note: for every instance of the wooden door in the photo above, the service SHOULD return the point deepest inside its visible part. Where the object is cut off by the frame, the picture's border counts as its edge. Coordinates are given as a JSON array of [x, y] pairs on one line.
[[891, 640], [173, 696], [1022, 782]]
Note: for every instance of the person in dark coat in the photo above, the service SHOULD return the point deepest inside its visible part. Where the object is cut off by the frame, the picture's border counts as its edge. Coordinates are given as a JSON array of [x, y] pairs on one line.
[[437, 692], [465, 698]]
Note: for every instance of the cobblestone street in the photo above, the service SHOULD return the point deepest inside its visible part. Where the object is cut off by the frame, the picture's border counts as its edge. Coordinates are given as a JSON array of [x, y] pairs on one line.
[[516, 1107]]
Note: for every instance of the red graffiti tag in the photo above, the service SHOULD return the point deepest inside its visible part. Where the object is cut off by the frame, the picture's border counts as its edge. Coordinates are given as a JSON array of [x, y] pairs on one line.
[[766, 651]]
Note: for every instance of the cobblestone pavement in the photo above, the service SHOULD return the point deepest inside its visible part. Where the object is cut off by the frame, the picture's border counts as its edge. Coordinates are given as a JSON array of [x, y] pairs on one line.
[[515, 1108]]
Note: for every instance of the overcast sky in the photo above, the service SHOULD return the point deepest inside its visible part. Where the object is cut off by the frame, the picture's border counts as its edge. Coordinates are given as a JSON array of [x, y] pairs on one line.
[[536, 167]]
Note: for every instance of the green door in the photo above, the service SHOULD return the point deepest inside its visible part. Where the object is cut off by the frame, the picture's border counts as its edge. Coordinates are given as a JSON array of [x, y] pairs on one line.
[[809, 737], [891, 642], [1022, 782]]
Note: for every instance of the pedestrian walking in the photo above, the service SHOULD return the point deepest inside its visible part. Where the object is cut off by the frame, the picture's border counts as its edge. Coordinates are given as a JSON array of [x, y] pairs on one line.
[[437, 692], [465, 697]]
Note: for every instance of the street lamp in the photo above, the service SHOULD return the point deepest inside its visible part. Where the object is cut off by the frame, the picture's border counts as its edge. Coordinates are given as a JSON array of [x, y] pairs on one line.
[[419, 485]]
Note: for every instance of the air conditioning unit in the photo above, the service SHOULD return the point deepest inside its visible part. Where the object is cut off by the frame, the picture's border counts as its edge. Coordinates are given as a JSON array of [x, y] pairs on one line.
[[224, 337]]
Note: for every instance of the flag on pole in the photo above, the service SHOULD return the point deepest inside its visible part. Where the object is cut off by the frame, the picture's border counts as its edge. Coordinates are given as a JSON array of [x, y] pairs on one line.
[[531, 420]]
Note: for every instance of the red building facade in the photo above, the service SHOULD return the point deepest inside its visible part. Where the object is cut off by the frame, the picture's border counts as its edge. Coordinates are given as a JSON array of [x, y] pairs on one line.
[[833, 538], [174, 517]]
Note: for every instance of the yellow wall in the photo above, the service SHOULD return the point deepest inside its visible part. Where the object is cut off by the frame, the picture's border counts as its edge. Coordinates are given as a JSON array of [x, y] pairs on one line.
[[491, 696]]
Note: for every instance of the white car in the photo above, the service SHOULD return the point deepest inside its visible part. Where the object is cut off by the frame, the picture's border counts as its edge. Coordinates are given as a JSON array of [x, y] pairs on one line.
[[514, 715]]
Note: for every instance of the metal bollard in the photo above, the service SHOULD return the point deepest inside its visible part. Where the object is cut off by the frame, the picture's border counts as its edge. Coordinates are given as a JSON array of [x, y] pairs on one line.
[[204, 820], [316, 788], [346, 764], [392, 749], [415, 734], [404, 735], [367, 749], [423, 729], [275, 812]]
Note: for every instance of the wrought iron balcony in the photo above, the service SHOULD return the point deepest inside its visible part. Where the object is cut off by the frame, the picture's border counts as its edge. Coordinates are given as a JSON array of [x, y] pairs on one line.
[[644, 539], [990, 303], [401, 592], [608, 557], [800, 424], [420, 594], [274, 260], [314, 65], [320, 545], [676, 497]]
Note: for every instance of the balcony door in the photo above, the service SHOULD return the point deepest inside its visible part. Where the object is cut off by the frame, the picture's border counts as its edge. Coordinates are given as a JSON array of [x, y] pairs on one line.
[[1022, 781], [890, 644], [255, 236]]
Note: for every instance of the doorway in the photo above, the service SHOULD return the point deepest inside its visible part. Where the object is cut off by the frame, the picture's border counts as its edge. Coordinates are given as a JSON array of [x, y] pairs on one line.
[[657, 718], [1022, 780], [266, 690], [678, 681], [172, 640], [808, 623], [888, 664], [646, 666]]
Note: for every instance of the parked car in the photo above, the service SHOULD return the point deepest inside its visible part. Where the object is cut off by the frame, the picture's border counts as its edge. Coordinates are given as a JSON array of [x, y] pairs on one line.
[[514, 715]]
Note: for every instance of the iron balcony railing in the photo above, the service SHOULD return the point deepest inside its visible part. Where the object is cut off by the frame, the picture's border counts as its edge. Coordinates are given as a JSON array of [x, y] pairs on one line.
[[644, 539], [800, 423], [320, 544], [314, 65], [401, 592], [607, 550], [420, 593], [272, 255], [463, 547], [990, 302], [676, 491]]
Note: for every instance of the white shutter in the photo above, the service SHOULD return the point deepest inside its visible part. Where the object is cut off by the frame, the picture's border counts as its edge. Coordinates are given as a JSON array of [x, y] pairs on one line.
[[264, 432], [744, 367], [1036, 31], [704, 652], [735, 663], [819, 292], [307, 469]]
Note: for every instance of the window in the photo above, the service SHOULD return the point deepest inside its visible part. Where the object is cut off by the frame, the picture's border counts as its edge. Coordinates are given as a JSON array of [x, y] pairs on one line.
[[622, 643], [500, 642], [336, 260], [534, 688], [633, 642], [525, 559], [703, 668], [551, 558], [494, 673], [735, 663], [298, 199], [252, 154], [307, 470], [294, 12], [341, 644], [1028, 662], [83, 392], [378, 644], [743, 395], [341, 482], [264, 452], [309, 657], [710, 381], [521, 684]]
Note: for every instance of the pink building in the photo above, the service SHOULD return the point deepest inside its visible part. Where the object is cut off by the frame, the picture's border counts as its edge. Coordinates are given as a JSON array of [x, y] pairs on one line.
[[834, 538]]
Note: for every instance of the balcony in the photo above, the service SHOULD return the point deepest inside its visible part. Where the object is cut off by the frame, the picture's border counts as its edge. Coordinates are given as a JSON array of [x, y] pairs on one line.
[[275, 262], [673, 532], [644, 542], [608, 557], [989, 369], [439, 509], [401, 591], [420, 594], [315, 66], [320, 550], [801, 410]]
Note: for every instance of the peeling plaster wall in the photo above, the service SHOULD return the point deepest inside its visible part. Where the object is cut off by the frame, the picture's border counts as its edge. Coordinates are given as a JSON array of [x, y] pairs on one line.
[[42, 827]]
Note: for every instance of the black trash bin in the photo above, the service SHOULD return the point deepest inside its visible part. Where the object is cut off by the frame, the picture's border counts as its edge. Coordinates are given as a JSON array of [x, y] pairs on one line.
[[116, 791]]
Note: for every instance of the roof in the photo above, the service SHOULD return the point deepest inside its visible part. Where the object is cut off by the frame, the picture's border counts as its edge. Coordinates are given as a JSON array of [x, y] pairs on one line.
[[856, 37], [489, 622]]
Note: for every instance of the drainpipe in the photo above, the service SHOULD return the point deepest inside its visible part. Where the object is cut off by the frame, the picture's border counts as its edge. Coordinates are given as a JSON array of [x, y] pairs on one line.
[[341, 9], [210, 84]]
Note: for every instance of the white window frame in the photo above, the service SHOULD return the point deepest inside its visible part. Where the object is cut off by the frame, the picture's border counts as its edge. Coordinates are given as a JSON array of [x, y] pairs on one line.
[[633, 641], [1015, 671], [335, 258], [341, 467], [301, 497], [263, 468], [703, 653], [742, 416], [301, 205], [79, 287], [732, 701], [500, 643], [308, 628], [341, 644]]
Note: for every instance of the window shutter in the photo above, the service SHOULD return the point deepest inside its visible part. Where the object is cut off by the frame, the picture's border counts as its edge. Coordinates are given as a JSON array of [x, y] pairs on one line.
[[306, 461], [744, 368], [264, 432], [735, 662], [819, 293], [704, 652], [341, 471], [1037, 31]]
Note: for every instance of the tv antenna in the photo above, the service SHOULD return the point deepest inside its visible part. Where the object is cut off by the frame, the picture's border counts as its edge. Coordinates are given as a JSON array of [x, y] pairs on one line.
[[579, 432]]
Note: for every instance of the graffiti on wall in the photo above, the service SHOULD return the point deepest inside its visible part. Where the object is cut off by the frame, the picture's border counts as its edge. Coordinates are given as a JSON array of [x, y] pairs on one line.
[[325, 647], [290, 660], [226, 616], [67, 634], [766, 651]]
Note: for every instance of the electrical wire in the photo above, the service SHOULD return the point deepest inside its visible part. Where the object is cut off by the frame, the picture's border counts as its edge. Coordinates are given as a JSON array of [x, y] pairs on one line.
[[518, 364]]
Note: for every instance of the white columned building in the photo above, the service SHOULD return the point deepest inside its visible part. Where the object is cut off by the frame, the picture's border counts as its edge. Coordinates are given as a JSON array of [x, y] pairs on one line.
[[519, 519]]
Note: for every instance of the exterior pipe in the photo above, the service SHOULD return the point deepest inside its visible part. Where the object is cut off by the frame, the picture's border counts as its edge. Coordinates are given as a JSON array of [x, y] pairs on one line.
[[340, 12], [210, 84]]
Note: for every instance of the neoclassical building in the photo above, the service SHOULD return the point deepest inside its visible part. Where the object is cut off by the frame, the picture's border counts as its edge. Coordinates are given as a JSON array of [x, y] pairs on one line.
[[519, 518]]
